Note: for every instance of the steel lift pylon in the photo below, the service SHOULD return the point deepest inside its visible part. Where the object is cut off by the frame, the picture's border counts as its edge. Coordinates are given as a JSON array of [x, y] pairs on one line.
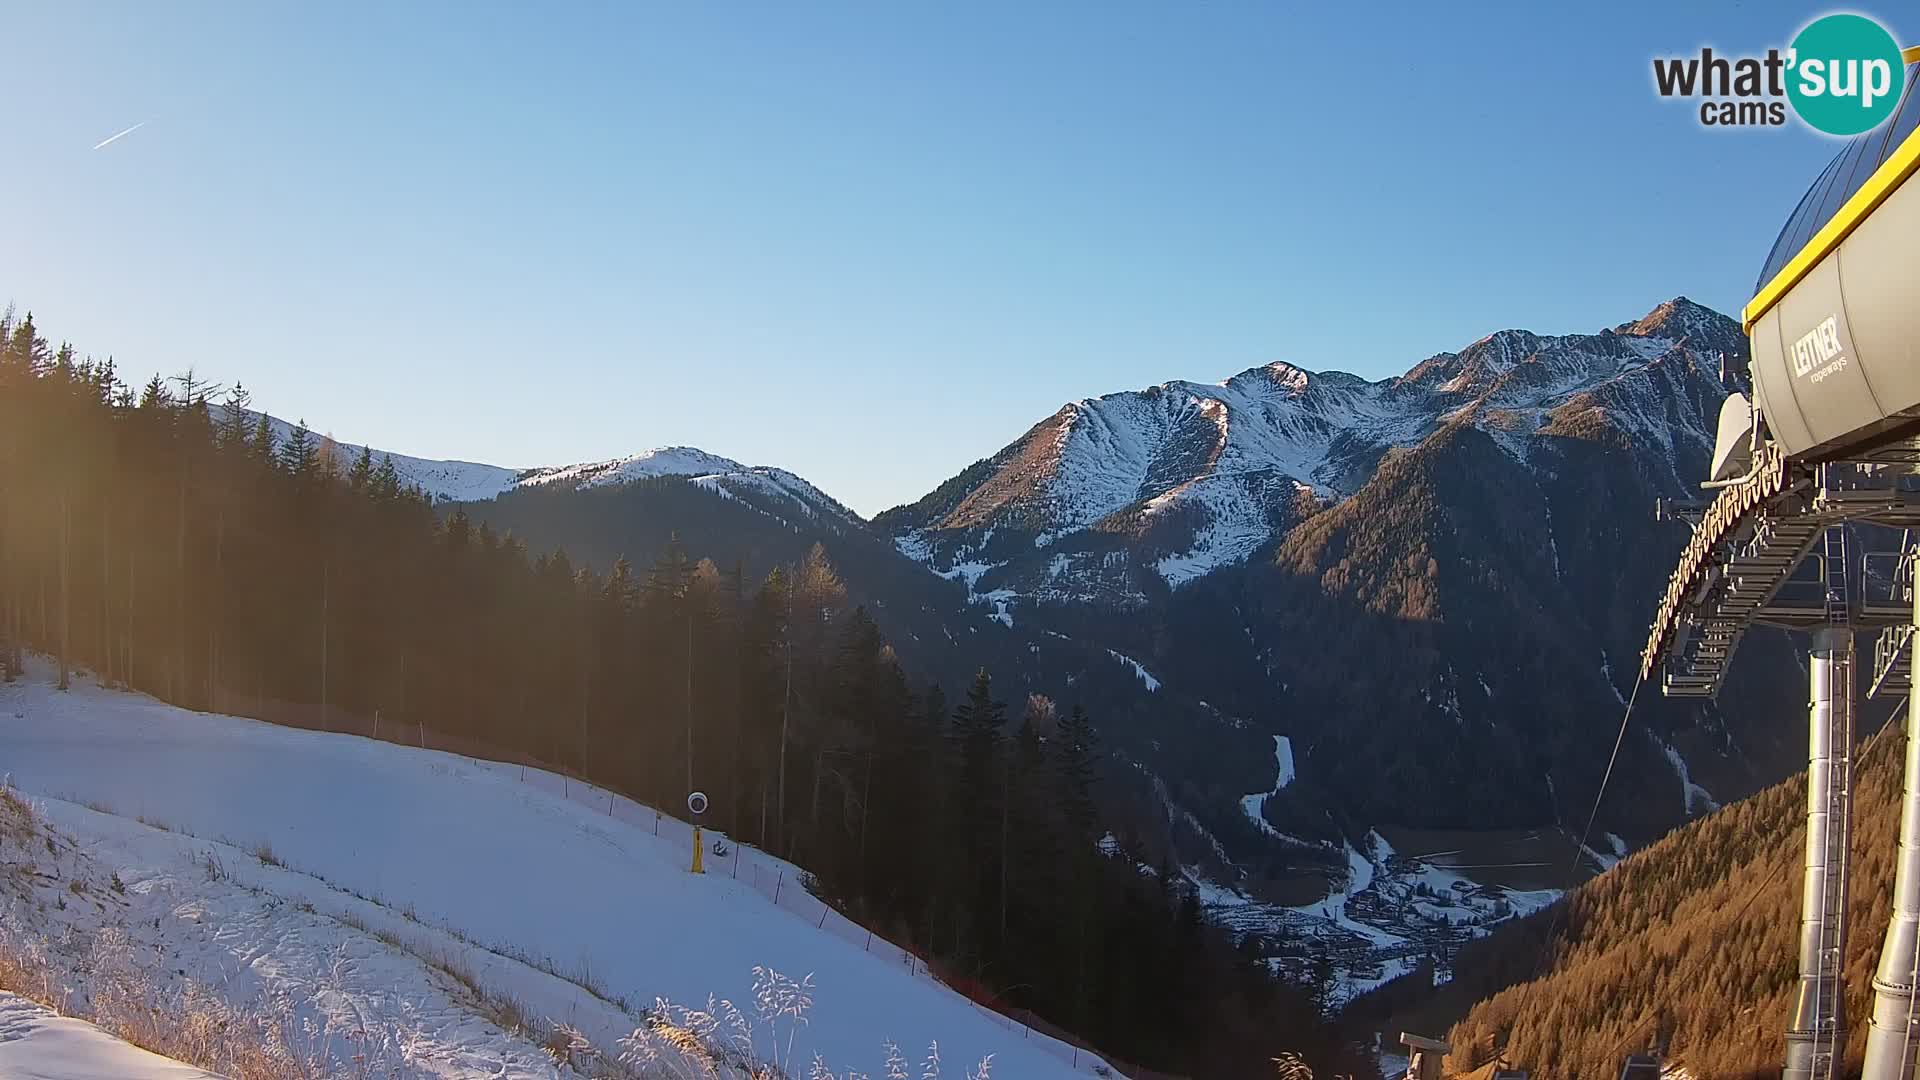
[[1817, 1034], [1853, 573], [1816, 467]]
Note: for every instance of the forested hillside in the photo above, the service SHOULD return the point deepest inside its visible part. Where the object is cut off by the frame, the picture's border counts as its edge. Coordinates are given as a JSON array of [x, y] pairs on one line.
[[1688, 945], [163, 538]]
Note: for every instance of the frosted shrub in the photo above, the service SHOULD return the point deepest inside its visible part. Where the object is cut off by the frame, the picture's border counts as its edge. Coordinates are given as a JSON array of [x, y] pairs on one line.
[[567, 1045], [782, 1002], [720, 1042], [190, 1022], [1291, 1066], [119, 989]]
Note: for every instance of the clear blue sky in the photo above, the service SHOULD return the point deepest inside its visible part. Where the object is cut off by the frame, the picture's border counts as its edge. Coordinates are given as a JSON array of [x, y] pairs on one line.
[[869, 242]]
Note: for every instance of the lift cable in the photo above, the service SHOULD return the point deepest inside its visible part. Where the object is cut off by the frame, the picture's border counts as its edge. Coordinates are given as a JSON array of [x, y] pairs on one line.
[[1752, 895], [1573, 862]]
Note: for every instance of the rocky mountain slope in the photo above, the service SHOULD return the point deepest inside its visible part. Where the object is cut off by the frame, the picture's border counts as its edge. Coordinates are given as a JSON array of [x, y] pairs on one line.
[[1428, 590], [1182, 478], [1448, 562], [1433, 587]]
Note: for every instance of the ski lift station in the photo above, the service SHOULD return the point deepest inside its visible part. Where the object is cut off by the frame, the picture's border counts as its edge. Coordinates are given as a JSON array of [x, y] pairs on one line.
[[1813, 525]]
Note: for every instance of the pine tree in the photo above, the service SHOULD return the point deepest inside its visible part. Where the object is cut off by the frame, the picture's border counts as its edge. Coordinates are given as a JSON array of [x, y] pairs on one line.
[[26, 350], [386, 482], [867, 696], [763, 659], [233, 419], [620, 589], [65, 366], [261, 445], [926, 770], [977, 725], [1076, 748], [671, 574], [360, 477], [299, 457], [668, 589], [155, 395]]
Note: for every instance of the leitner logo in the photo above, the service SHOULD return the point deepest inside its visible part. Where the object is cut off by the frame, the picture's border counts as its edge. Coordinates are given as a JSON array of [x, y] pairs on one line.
[[1843, 75], [1819, 348]]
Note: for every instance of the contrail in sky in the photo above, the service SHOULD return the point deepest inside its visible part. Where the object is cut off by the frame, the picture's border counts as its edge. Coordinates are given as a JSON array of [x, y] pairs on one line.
[[122, 134]]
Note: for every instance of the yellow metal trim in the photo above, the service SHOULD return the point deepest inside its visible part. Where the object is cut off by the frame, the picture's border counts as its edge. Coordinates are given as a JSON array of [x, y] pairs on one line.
[[1911, 56], [1885, 180]]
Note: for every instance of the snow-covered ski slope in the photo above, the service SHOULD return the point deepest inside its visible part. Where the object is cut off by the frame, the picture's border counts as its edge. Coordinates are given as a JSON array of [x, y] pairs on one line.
[[496, 865], [38, 1044]]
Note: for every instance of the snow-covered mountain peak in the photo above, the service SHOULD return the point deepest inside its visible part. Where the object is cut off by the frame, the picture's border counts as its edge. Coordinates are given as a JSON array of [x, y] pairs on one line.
[[660, 461], [466, 481], [1197, 476], [1680, 319], [1478, 365], [1280, 375]]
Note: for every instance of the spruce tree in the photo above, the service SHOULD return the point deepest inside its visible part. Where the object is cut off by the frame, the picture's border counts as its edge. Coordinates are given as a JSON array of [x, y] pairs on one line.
[[360, 477], [1074, 748], [233, 419], [977, 725], [386, 482], [671, 574], [1075, 756], [155, 395], [261, 445], [26, 350], [299, 456], [620, 589]]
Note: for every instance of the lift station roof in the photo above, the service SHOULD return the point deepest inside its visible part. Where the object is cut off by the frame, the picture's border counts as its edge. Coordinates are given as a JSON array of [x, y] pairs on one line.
[[1834, 323]]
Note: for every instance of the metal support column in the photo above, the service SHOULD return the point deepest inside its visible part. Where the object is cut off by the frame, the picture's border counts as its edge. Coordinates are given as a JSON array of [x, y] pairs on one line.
[[1817, 1035], [1893, 1034]]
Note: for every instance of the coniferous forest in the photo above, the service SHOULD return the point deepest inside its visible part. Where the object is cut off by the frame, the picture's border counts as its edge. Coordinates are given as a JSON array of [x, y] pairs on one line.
[[162, 537]]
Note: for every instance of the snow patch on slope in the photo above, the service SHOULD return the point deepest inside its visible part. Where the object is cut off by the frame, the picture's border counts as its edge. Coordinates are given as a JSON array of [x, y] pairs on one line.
[[475, 853], [1254, 806], [1699, 801], [1606, 672], [37, 1043], [458, 481], [1146, 677]]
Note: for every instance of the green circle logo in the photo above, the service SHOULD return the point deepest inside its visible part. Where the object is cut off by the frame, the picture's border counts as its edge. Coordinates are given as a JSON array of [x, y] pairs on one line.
[[1845, 74]]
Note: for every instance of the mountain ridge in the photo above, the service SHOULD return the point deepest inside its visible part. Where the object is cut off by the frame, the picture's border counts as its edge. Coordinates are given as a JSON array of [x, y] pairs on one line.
[[1482, 519], [1478, 379], [451, 481], [1201, 476]]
